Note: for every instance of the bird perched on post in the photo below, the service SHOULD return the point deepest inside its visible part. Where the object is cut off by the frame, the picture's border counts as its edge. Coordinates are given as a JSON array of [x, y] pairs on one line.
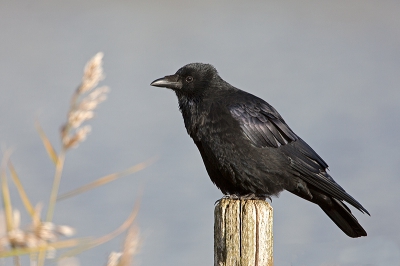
[[248, 149]]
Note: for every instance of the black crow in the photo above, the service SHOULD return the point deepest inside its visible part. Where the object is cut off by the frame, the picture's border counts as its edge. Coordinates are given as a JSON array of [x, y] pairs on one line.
[[249, 150]]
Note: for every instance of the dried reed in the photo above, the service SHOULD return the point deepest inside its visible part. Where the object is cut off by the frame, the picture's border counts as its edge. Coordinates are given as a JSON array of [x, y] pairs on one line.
[[41, 238]]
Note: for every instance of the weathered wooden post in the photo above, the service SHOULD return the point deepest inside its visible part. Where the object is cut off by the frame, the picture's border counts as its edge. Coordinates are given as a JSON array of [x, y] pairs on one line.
[[243, 233]]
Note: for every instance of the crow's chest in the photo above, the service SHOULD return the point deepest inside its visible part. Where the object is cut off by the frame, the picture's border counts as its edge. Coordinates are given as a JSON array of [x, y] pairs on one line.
[[209, 121]]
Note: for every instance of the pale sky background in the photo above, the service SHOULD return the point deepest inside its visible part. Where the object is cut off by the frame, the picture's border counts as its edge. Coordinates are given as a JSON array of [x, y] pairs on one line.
[[331, 68]]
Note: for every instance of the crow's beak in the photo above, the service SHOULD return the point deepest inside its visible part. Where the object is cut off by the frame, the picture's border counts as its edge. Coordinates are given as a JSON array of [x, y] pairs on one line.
[[170, 82]]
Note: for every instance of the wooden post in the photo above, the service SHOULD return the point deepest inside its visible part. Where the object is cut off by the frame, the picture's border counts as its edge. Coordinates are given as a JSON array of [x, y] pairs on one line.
[[243, 233]]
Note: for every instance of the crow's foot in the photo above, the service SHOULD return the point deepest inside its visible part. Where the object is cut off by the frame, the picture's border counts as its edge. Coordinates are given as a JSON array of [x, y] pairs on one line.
[[253, 196], [250, 196]]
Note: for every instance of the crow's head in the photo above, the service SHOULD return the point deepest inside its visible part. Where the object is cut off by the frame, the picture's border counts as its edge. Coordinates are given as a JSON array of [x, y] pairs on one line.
[[191, 80]]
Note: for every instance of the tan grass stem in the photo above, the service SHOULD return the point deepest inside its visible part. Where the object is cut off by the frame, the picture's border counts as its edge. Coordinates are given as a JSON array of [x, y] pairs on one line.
[[56, 185]]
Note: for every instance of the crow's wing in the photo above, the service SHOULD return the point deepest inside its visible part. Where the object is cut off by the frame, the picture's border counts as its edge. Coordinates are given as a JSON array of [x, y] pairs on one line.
[[262, 124], [264, 127]]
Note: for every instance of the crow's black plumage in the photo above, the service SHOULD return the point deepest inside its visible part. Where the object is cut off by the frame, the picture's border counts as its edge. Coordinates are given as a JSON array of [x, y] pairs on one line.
[[248, 149]]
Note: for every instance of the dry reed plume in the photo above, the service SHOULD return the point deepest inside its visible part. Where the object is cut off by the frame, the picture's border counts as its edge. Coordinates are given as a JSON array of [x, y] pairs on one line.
[[83, 103]]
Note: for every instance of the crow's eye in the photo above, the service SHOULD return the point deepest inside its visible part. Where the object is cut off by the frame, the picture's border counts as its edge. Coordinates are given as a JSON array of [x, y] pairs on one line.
[[189, 79]]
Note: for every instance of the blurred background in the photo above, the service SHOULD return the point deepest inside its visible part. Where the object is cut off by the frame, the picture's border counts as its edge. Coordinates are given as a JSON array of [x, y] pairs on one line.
[[331, 68]]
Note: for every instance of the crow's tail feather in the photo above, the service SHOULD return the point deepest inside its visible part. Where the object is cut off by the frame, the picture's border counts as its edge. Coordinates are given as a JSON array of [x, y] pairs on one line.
[[343, 218], [339, 213]]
